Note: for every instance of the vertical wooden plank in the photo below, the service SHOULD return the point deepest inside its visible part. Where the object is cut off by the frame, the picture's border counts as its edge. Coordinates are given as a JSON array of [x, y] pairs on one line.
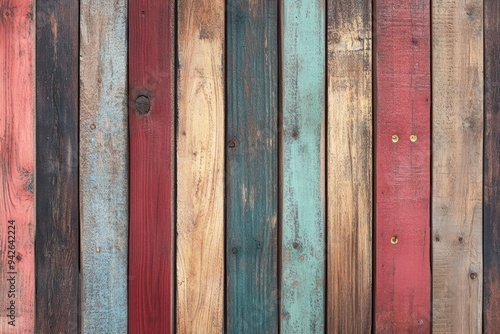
[[303, 228], [349, 167], [200, 167], [491, 224], [252, 169], [457, 81], [17, 155], [104, 170], [151, 119], [402, 281], [57, 232]]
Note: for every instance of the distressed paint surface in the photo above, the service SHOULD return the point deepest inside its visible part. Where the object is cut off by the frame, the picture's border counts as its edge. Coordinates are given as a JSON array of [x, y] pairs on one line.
[[349, 167], [151, 78], [402, 281], [200, 167], [104, 170], [57, 232], [491, 232], [252, 169], [17, 158], [303, 229], [457, 81]]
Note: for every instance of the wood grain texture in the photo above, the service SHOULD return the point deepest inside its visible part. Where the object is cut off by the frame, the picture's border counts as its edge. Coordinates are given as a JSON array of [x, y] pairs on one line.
[[17, 159], [57, 232], [151, 120], [303, 153], [252, 167], [200, 167], [402, 281], [457, 81], [349, 167], [104, 169], [491, 224]]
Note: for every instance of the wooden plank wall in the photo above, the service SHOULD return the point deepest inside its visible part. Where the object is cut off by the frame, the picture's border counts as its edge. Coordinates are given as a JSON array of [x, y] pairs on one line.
[[402, 284], [302, 174], [57, 204], [252, 167], [349, 167], [17, 162], [262, 218], [151, 130], [491, 223], [457, 81], [103, 165], [200, 167]]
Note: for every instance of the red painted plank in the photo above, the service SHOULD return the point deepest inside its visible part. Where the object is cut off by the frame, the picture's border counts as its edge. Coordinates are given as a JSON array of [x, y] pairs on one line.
[[151, 50], [17, 159], [402, 291]]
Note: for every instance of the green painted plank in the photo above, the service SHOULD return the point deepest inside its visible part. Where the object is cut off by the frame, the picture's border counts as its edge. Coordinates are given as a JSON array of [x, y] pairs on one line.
[[103, 165], [303, 231], [251, 166]]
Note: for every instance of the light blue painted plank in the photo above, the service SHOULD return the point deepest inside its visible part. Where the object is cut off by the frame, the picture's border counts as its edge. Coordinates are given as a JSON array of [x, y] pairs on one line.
[[104, 165], [303, 230]]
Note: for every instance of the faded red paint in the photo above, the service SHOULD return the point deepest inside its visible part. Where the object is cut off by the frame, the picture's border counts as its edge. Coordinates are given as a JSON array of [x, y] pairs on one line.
[[151, 45], [17, 160], [402, 288]]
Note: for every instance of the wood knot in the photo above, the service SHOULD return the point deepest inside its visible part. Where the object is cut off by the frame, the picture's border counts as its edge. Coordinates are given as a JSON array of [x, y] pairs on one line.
[[142, 104]]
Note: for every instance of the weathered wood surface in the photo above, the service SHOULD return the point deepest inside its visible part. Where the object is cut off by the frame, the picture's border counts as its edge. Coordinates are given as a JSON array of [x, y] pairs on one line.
[[402, 288], [151, 119], [491, 232], [17, 158], [104, 170], [200, 167], [349, 167], [303, 229], [457, 81], [57, 206], [252, 169]]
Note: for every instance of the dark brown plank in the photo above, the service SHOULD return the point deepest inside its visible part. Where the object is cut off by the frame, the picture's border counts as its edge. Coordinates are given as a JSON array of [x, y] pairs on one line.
[[491, 222], [57, 249]]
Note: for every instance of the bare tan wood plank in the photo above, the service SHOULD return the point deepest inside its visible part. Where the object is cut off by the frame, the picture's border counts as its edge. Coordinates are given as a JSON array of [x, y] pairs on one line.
[[200, 158], [457, 67], [349, 153]]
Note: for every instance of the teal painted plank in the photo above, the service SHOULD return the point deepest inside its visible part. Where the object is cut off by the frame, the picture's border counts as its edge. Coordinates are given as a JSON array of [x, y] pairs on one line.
[[103, 165], [303, 231], [252, 169]]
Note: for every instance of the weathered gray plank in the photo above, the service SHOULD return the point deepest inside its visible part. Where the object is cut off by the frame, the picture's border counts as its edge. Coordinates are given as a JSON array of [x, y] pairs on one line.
[[103, 165]]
